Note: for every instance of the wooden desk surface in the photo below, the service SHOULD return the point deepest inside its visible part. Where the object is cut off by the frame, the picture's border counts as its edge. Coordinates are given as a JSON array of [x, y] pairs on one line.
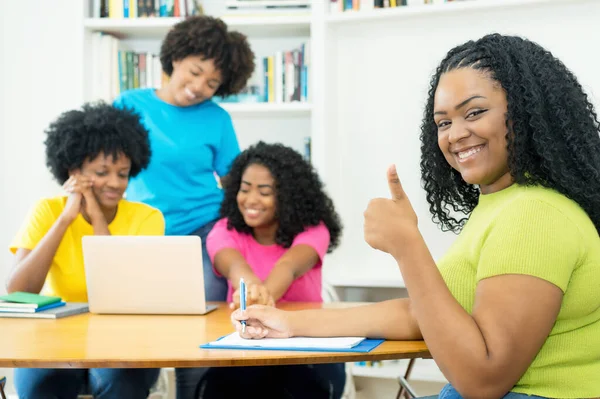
[[89, 340]]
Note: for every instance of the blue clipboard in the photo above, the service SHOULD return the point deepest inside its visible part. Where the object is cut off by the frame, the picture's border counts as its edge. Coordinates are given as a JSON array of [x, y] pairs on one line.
[[364, 347]]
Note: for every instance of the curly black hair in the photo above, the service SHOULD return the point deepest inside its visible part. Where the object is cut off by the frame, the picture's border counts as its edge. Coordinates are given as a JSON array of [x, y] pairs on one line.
[[552, 129], [208, 37], [301, 200], [82, 134]]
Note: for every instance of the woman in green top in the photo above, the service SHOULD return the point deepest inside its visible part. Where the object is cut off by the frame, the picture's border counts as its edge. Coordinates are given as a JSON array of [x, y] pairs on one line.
[[511, 159]]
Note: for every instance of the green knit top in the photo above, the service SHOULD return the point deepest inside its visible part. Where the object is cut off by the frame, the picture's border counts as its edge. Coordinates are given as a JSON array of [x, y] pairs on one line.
[[539, 232]]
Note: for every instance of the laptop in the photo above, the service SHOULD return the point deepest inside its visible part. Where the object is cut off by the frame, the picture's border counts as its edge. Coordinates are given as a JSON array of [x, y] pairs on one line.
[[144, 275]]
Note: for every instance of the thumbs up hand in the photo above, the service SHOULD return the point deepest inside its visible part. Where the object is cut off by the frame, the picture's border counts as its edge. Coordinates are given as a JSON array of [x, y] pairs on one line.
[[391, 223]]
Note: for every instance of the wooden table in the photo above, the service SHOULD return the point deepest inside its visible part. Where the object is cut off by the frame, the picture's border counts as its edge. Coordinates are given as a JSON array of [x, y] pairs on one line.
[[135, 341]]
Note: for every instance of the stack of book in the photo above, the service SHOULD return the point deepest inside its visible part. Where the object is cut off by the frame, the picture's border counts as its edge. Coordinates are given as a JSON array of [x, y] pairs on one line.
[[25, 304]]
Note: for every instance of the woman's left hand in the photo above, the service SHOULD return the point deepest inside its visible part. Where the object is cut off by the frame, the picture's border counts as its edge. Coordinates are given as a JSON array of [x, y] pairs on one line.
[[391, 224], [91, 206]]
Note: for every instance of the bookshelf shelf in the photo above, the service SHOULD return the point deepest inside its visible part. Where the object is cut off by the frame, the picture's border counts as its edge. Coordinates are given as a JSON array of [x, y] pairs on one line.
[[424, 370], [157, 28], [268, 109], [427, 10], [367, 281], [387, 372]]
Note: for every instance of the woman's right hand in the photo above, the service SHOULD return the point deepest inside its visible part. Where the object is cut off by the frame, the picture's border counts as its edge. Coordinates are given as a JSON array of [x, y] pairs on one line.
[[256, 294], [75, 186], [263, 322]]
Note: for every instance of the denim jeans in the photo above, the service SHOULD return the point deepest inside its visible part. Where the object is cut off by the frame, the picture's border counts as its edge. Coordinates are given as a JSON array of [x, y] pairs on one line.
[[68, 383], [314, 381], [448, 392], [215, 288], [299, 381]]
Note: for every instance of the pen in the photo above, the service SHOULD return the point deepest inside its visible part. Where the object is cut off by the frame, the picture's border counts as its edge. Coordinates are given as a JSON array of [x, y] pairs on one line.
[[243, 301]]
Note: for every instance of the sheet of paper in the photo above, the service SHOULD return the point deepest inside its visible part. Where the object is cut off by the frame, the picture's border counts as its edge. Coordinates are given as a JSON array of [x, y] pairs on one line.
[[296, 342]]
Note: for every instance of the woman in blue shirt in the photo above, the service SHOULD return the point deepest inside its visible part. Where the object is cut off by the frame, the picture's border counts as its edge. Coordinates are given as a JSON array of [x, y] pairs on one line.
[[192, 138]]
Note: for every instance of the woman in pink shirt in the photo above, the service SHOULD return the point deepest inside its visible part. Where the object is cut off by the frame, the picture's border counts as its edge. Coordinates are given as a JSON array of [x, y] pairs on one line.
[[277, 225]]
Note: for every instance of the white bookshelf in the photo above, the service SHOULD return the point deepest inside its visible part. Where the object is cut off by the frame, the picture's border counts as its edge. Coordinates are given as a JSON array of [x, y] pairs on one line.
[[266, 109], [287, 122], [426, 10], [366, 281], [157, 28]]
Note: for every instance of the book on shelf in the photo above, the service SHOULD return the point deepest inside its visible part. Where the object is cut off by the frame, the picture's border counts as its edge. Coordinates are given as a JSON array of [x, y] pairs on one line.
[[307, 149], [286, 74], [119, 9]]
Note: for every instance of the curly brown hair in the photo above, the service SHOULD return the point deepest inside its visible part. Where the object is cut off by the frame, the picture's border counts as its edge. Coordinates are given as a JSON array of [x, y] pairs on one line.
[[555, 140], [301, 197], [96, 128], [209, 37]]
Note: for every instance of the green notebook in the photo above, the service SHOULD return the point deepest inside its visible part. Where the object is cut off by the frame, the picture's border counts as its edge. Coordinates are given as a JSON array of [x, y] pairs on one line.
[[27, 299]]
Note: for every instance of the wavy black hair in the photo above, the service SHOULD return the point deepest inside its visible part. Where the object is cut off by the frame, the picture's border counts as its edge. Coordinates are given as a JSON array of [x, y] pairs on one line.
[[82, 134], [553, 133], [208, 37], [301, 200]]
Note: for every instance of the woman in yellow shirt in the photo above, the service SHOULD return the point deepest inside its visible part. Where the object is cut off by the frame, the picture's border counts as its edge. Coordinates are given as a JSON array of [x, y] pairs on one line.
[[92, 152], [511, 159]]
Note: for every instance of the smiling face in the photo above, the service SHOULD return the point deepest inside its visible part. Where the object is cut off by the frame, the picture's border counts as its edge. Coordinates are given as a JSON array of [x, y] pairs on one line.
[[256, 199], [193, 81], [470, 113], [111, 177]]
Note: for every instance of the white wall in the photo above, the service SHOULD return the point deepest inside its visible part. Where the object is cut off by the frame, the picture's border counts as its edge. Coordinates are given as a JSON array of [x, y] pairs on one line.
[[40, 77], [382, 71]]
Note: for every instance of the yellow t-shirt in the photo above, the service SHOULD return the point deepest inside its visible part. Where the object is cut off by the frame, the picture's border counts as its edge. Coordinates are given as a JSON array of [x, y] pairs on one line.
[[538, 232], [66, 276]]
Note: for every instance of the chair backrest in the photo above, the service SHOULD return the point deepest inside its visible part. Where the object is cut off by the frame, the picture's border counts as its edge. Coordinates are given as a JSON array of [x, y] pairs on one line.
[[329, 293]]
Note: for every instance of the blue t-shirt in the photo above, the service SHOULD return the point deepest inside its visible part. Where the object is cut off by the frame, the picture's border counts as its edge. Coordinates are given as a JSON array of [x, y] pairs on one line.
[[189, 144]]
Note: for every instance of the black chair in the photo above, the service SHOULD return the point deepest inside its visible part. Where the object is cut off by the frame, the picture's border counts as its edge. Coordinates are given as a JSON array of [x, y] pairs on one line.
[[405, 388], [2, 384]]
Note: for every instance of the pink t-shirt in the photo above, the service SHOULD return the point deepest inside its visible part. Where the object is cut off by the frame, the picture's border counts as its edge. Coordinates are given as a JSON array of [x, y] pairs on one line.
[[262, 258]]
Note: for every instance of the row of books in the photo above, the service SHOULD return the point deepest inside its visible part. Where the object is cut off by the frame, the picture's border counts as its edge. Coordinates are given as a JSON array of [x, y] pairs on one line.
[[145, 8], [357, 5], [115, 70], [286, 74]]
